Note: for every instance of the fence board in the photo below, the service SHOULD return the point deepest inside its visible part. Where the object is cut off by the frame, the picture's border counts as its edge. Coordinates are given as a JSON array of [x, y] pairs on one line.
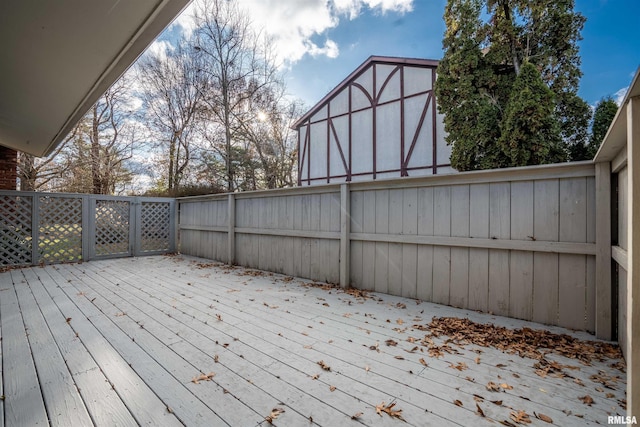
[[409, 252], [479, 258], [424, 289], [357, 218], [545, 288], [381, 266], [441, 256], [396, 207], [460, 215], [369, 248]]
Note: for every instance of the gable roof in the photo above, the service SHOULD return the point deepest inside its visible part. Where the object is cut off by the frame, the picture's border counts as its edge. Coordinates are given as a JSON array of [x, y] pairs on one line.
[[390, 60]]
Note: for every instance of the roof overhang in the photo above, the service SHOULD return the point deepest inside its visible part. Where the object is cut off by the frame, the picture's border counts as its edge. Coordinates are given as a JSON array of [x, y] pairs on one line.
[[60, 56], [616, 137]]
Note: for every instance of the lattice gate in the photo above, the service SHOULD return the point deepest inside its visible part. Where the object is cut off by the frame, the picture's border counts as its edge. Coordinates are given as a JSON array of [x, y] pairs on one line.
[[46, 228]]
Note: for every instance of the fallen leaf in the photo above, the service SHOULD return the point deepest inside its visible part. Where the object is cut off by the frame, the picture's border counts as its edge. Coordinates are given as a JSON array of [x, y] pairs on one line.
[[203, 377], [460, 366], [587, 400], [520, 417], [506, 386], [315, 376], [479, 411], [399, 321], [543, 417], [275, 413], [497, 402], [399, 357], [457, 402], [491, 386], [421, 360], [391, 343], [219, 317], [388, 409], [68, 319], [477, 360], [332, 388], [324, 366], [367, 368], [356, 415], [215, 358]]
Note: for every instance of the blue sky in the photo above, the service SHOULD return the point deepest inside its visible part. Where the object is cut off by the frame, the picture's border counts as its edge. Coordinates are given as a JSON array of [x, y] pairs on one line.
[[322, 41]]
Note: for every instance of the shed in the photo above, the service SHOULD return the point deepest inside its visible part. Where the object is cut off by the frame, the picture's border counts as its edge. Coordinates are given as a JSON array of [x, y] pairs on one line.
[[379, 122]]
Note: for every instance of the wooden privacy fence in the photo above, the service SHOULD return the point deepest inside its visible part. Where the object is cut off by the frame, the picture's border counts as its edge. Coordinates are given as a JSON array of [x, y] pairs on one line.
[[56, 227], [516, 242]]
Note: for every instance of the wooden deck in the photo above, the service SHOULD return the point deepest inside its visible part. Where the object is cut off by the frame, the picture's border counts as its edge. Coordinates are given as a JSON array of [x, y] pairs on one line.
[[119, 342]]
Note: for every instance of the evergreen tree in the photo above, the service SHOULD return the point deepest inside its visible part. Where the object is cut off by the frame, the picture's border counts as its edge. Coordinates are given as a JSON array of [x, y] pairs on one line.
[[530, 132], [489, 55], [603, 115]]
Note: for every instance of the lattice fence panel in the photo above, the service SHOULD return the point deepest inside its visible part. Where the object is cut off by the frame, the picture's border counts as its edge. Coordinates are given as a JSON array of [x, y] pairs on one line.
[[155, 225], [15, 230], [112, 227], [60, 229]]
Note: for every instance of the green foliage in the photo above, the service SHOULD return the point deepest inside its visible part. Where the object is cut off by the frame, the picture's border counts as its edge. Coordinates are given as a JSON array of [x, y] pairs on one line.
[[603, 115], [476, 85], [530, 132]]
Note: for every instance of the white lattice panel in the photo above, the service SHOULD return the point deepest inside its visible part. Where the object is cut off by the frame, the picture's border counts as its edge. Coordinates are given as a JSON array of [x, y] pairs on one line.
[[112, 227], [15, 230], [60, 231], [155, 220]]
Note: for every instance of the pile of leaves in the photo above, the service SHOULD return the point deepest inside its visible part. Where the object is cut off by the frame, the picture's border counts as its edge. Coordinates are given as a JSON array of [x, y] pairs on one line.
[[525, 342]]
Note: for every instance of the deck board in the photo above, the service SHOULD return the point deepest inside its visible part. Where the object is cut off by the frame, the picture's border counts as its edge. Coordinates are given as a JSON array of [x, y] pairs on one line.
[[141, 328]]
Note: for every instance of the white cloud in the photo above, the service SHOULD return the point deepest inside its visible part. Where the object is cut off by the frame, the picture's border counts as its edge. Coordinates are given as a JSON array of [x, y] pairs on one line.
[[159, 48], [294, 23], [619, 95]]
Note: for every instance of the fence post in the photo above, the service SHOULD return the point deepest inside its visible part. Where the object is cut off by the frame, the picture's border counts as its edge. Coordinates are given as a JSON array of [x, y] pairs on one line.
[[231, 233], [345, 231], [86, 227], [35, 228], [604, 320]]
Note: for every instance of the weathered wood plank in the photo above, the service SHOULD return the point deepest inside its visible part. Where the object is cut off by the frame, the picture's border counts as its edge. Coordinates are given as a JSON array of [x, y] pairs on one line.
[[460, 219], [425, 253], [573, 210], [479, 258], [357, 220], [441, 255], [572, 295], [396, 206], [409, 252], [499, 228], [23, 402], [100, 398], [381, 260], [59, 391], [141, 401], [545, 288]]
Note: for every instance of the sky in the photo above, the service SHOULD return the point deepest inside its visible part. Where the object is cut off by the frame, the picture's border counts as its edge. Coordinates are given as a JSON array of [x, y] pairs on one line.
[[320, 42]]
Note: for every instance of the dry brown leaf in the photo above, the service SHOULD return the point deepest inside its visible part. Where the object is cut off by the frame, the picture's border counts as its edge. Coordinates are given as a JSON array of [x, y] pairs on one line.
[[68, 319], [315, 376], [477, 360], [391, 343], [491, 386], [421, 360], [308, 346], [356, 415], [275, 413], [332, 388], [324, 366], [520, 417], [399, 321], [215, 358], [543, 417], [479, 411], [457, 402], [506, 386], [219, 317], [388, 409], [587, 400], [203, 377], [497, 402], [367, 368], [460, 366], [399, 357]]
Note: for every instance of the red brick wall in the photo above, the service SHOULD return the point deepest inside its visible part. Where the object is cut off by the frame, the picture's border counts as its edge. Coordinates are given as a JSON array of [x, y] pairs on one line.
[[8, 164]]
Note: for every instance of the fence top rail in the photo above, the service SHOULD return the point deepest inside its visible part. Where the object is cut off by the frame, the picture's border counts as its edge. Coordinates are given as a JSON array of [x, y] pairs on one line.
[[553, 171], [83, 195]]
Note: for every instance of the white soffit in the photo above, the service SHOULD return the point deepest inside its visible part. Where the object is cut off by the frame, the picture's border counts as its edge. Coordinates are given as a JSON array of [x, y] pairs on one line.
[[58, 57]]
